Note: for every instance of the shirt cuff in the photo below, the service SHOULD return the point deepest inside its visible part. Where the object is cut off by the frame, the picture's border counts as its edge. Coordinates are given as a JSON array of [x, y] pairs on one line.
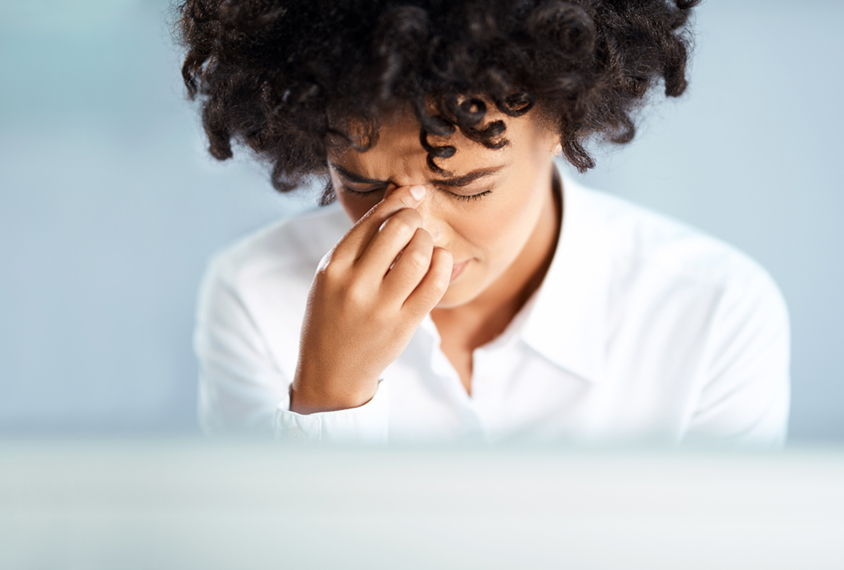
[[365, 424]]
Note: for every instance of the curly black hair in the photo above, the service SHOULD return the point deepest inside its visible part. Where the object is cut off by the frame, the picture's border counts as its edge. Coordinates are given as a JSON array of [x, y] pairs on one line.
[[284, 76]]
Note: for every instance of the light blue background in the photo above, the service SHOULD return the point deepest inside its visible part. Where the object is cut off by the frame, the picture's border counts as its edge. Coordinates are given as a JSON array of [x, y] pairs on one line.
[[110, 207]]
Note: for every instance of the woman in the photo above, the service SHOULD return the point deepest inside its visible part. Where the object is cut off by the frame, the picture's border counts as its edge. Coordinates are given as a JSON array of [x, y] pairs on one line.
[[463, 289]]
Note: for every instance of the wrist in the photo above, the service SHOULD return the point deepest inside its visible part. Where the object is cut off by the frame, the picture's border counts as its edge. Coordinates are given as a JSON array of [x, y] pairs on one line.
[[306, 399]]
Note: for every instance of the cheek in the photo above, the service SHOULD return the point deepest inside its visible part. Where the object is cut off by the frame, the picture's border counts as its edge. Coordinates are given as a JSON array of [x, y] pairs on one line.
[[491, 231], [509, 223]]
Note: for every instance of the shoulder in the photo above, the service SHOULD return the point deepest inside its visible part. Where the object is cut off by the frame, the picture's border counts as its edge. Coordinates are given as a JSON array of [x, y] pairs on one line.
[[673, 289], [659, 254], [289, 247], [254, 292], [693, 318]]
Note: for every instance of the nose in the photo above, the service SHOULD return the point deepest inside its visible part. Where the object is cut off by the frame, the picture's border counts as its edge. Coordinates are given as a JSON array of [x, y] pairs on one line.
[[432, 221]]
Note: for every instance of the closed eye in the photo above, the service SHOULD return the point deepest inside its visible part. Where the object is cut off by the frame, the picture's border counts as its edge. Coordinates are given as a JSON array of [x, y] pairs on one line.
[[465, 197], [357, 192], [371, 192], [374, 191], [371, 187]]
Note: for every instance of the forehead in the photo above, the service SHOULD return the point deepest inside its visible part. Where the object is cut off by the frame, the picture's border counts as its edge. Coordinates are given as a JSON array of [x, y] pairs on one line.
[[398, 152]]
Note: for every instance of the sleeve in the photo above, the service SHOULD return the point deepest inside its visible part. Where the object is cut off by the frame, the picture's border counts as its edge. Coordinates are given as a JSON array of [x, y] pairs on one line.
[[745, 396], [364, 424], [241, 388], [239, 384]]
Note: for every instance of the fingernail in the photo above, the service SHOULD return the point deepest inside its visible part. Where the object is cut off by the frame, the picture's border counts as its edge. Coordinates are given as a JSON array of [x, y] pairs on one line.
[[418, 192]]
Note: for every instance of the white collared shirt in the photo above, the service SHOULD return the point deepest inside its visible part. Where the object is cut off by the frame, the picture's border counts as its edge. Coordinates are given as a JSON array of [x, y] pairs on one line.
[[642, 330]]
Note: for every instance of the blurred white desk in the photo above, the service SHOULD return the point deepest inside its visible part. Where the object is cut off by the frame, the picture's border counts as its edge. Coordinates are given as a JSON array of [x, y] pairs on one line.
[[182, 504]]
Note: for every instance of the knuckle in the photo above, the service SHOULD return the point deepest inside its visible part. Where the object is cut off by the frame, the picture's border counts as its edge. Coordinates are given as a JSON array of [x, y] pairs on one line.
[[355, 294], [413, 216], [330, 270], [326, 259], [416, 259], [408, 216], [400, 225]]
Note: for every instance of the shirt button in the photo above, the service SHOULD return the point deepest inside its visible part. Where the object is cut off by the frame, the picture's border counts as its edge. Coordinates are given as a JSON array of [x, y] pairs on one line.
[[295, 434]]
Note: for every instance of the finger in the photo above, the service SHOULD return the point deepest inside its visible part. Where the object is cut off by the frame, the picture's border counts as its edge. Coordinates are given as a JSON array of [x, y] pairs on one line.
[[392, 237], [433, 286], [353, 244], [409, 269]]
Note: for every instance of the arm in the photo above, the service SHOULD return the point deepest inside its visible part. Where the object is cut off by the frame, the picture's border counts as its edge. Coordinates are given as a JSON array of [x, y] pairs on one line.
[[745, 395], [361, 312], [243, 391], [239, 384]]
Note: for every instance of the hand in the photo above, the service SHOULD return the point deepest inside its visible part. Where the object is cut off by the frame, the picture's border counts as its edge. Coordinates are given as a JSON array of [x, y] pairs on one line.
[[365, 305]]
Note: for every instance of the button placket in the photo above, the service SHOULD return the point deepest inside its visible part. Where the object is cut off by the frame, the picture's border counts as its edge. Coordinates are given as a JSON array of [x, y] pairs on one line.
[[295, 435]]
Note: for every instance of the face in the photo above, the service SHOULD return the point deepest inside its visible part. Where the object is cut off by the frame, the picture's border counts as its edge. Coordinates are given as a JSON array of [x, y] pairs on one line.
[[494, 211]]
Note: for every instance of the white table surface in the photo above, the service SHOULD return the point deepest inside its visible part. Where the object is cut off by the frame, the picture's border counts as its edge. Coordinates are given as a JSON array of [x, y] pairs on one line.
[[182, 503]]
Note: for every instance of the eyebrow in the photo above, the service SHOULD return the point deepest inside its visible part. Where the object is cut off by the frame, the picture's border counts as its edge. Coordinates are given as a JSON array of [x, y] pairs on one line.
[[454, 182]]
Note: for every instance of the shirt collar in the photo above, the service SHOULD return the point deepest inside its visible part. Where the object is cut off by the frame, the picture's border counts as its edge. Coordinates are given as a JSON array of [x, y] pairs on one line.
[[567, 322]]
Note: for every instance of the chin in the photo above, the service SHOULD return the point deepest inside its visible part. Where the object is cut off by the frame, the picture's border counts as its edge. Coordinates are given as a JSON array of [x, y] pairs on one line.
[[456, 295]]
